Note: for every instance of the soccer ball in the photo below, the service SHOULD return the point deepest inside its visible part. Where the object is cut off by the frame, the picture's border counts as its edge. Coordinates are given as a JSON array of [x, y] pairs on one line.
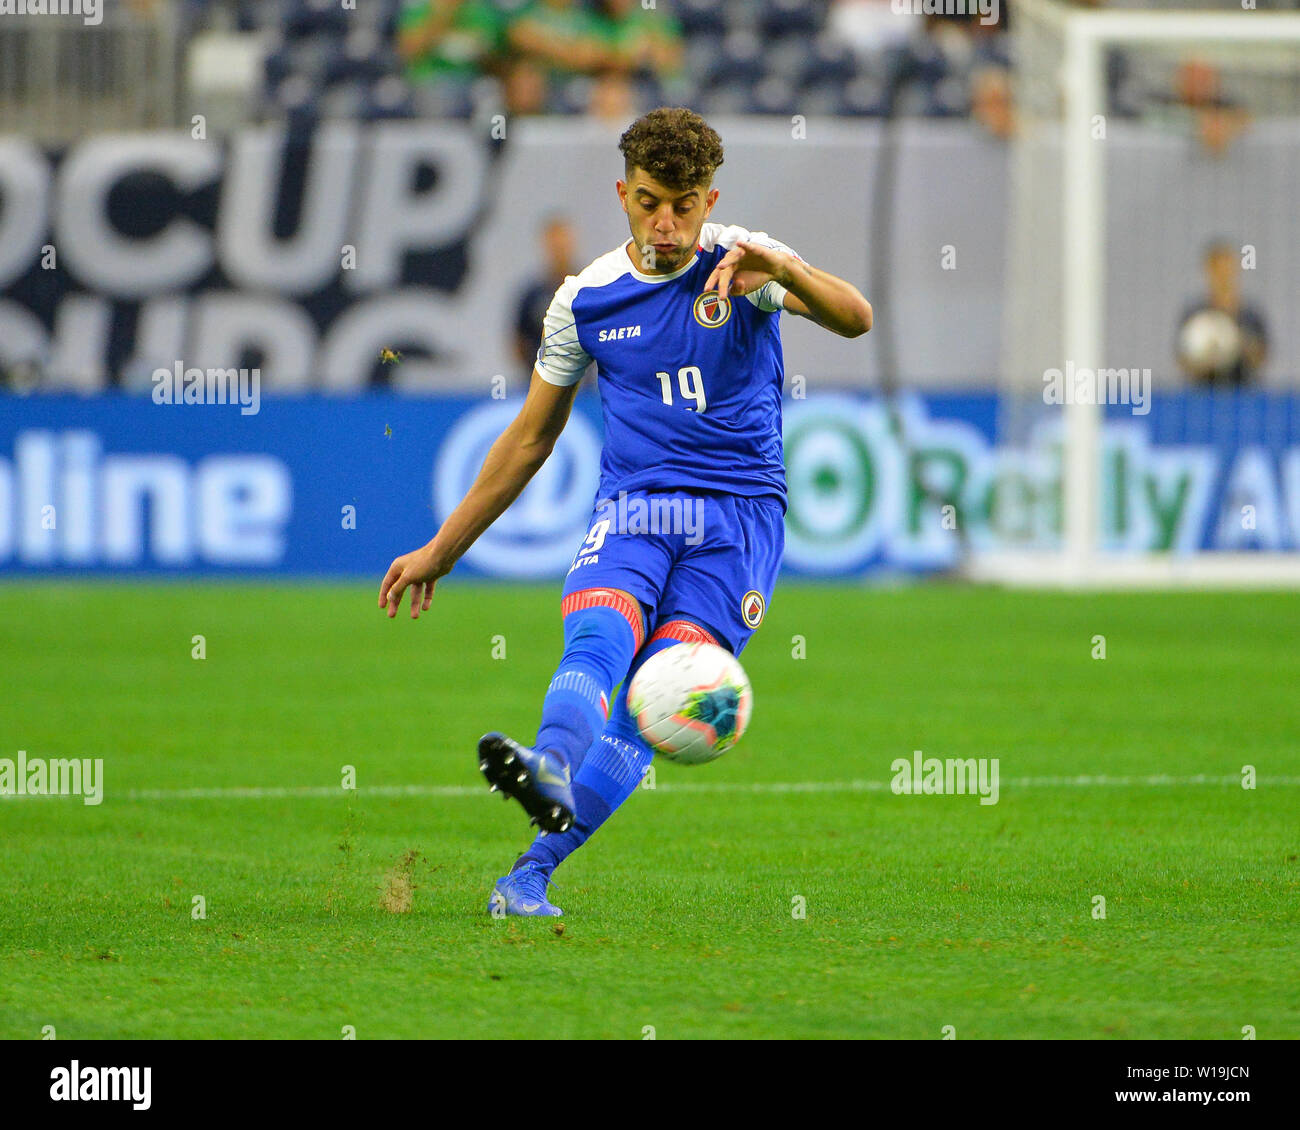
[[1210, 340], [691, 702]]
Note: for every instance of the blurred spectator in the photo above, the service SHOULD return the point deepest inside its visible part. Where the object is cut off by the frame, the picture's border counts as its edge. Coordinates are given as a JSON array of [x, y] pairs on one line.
[[991, 102], [645, 40], [1221, 341], [613, 99], [1194, 99], [563, 37], [524, 88], [559, 248], [450, 39], [1218, 120], [588, 56]]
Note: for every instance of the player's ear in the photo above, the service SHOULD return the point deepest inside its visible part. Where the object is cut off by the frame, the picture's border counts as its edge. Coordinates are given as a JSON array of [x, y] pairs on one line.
[[710, 200], [621, 188]]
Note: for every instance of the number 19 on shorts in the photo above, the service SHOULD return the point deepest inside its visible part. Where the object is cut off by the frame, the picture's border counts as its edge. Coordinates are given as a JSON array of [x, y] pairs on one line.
[[689, 382]]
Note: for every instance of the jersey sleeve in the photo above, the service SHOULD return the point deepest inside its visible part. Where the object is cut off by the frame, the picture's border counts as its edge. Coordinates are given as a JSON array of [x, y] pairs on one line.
[[769, 297], [561, 360]]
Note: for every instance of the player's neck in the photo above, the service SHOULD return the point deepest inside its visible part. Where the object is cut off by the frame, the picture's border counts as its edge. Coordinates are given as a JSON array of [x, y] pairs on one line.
[[1225, 298]]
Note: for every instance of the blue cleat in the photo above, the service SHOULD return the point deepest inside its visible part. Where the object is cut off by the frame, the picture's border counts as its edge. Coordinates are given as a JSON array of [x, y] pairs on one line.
[[522, 892], [537, 779]]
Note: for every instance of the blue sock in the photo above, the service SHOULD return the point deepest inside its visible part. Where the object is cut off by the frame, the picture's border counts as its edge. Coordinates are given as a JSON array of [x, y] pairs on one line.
[[599, 644], [610, 773]]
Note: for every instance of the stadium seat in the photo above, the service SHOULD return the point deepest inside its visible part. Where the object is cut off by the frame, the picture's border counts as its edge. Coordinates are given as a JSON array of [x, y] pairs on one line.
[[779, 18], [312, 59], [726, 99], [312, 17], [700, 17], [742, 15], [865, 96], [820, 101], [571, 96], [379, 15], [295, 104], [262, 15], [925, 61], [948, 98], [344, 100], [741, 61], [704, 56], [390, 97], [828, 62], [773, 95], [992, 51], [278, 66], [648, 91], [447, 98], [786, 60], [364, 56]]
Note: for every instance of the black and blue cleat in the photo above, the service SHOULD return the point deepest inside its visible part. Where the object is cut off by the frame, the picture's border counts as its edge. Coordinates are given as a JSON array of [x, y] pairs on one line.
[[537, 779]]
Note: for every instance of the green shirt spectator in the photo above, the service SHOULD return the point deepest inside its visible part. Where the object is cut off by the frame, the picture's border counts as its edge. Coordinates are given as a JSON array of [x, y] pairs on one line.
[[643, 38], [562, 36], [449, 38]]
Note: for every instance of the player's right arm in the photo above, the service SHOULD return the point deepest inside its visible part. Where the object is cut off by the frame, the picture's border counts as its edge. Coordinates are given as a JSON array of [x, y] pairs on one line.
[[511, 462]]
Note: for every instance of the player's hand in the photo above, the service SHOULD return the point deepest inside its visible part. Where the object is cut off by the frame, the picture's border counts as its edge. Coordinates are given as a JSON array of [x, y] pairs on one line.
[[419, 571], [746, 267]]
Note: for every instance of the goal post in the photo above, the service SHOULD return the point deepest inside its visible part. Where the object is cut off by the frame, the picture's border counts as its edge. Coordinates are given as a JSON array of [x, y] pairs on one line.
[[1103, 142]]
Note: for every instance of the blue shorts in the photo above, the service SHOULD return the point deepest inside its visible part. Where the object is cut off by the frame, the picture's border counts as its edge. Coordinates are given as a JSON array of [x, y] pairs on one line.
[[711, 559]]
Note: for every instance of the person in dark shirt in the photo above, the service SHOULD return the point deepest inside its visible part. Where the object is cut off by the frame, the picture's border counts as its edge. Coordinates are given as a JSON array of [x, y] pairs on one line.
[[557, 237], [1221, 341]]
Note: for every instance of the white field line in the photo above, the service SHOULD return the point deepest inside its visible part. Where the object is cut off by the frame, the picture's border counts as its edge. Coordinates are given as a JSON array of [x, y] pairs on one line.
[[858, 786]]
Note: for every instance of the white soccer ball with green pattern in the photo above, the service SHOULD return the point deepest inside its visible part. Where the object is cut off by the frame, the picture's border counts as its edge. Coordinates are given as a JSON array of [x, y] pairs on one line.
[[691, 702]]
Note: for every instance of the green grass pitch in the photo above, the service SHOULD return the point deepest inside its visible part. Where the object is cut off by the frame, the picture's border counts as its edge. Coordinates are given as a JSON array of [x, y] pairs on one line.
[[328, 908]]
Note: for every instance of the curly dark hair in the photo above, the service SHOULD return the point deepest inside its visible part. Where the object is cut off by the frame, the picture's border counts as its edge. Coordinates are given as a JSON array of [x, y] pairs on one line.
[[675, 146]]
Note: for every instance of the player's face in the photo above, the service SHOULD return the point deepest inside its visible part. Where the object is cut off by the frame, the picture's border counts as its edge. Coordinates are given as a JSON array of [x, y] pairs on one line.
[[665, 223]]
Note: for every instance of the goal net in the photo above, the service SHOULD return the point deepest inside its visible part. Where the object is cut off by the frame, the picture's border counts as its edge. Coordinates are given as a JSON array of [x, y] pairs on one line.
[[1151, 368]]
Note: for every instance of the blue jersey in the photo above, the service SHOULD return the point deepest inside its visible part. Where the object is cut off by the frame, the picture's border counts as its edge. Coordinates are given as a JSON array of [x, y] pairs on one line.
[[690, 383]]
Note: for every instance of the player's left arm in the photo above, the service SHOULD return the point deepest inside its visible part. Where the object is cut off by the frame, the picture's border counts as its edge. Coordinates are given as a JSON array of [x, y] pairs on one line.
[[824, 298]]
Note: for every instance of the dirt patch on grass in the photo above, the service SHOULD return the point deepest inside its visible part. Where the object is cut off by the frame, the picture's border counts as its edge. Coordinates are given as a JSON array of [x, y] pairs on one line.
[[397, 891]]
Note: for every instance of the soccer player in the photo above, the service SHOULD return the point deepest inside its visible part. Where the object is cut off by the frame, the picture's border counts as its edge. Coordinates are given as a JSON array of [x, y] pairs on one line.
[[682, 323]]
